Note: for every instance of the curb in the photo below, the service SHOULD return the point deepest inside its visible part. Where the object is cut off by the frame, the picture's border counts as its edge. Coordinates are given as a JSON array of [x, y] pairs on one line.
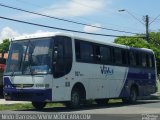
[[4, 102]]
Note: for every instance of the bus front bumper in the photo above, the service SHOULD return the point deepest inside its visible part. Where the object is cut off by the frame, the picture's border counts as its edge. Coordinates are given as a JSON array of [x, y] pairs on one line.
[[37, 95]]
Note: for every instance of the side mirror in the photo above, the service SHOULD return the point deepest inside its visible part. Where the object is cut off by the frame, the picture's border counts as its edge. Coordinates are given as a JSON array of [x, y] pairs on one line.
[[55, 55]]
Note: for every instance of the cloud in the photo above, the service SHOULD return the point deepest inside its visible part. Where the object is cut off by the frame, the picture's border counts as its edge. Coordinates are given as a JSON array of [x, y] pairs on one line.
[[38, 32], [9, 33], [72, 8], [6, 33], [92, 29], [76, 8]]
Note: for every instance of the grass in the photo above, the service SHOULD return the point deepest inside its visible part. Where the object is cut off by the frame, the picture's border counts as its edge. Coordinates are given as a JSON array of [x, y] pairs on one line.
[[26, 106], [16, 106], [158, 86], [115, 100]]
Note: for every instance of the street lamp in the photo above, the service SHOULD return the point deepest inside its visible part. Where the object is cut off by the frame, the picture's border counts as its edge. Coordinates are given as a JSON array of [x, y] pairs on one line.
[[146, 22], [123, 10]]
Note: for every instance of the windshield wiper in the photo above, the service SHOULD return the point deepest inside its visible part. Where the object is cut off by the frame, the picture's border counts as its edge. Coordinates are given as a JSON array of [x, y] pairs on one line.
[[25, 54], [12, 70], [20, 63], [30, 51]]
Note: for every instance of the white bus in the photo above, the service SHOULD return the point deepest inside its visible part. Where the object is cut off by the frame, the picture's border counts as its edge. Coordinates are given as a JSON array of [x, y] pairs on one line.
[[64, 68]]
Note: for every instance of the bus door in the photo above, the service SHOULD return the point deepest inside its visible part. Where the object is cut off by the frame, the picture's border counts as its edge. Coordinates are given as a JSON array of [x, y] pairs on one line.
[[62, 64]]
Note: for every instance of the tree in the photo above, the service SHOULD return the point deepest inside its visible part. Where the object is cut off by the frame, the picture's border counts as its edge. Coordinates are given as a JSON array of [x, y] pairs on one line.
[[4, 47], [133, 42], [154, 44]]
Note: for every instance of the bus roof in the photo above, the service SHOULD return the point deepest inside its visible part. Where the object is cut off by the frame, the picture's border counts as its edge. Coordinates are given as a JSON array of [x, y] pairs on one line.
[[52, 34]]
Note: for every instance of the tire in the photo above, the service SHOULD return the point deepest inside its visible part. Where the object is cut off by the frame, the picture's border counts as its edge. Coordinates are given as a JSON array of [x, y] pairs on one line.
[[102, 101], [39, 105], [75, 99], [132, 96]]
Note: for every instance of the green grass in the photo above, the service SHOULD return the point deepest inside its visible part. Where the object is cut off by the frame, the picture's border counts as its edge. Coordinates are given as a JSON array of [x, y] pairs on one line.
[[115, 100], [16, 106], [158, 86], [26, 106]]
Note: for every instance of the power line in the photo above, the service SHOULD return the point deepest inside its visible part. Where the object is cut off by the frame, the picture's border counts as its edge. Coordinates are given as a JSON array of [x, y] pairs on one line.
[[69, 30], [154, 19], [91, 7], [82, 18], [75, 22]]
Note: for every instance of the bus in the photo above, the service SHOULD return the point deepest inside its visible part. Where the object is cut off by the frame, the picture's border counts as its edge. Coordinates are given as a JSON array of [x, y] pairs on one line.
[[59, 67]]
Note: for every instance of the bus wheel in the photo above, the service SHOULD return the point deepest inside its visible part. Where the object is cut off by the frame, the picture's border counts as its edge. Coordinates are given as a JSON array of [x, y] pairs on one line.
[[132, 97], [102, 101], [75, 99], [39, 105]]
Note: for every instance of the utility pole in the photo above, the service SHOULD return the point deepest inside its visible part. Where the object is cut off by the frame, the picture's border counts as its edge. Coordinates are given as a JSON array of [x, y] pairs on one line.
[[147, 27], [146, 23]]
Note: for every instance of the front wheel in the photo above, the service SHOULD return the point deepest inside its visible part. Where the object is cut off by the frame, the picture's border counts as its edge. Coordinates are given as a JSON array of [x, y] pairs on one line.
[[39, 105], [75, 99]]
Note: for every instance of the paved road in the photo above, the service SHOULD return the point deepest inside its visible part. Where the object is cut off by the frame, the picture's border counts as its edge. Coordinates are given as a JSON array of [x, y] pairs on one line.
[[117, 111]]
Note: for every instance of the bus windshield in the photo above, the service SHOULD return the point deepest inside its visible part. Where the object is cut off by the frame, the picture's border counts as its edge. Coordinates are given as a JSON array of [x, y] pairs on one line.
[[29, 57]]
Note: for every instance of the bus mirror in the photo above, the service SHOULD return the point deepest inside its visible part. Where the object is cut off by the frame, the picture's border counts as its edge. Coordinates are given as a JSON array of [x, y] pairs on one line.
[[55, 55]]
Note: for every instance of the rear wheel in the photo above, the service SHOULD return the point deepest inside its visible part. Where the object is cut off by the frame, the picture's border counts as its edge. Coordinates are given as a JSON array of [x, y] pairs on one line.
[[102, 101], [39, 105], [132, 97]]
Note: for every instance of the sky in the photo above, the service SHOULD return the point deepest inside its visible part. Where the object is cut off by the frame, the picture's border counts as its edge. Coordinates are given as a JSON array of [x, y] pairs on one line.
[[101, 13]]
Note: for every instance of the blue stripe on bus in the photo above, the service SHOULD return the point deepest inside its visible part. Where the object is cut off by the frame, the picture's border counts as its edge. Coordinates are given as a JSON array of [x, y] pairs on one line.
[[7, 82], [140, 78], [37, 95]]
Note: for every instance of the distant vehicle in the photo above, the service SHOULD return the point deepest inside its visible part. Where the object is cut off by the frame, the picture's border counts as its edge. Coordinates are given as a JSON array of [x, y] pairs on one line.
[[65, 68], [2, 68]]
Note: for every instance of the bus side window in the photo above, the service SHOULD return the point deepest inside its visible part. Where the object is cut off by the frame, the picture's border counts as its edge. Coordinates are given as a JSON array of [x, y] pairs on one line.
[[77, 50], [144, 60], [117, 56], [132, 58], [150, 61], [124, 57], [84, 51], [138, 59], [147, 61], [153, 61], [105, 54], [97, 53]]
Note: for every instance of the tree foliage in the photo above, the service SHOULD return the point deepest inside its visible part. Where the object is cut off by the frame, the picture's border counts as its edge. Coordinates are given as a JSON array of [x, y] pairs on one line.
[[153, 43], [4, 47]]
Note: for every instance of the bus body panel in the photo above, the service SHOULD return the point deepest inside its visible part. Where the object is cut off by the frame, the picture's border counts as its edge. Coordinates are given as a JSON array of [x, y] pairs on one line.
[[106, 81]]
